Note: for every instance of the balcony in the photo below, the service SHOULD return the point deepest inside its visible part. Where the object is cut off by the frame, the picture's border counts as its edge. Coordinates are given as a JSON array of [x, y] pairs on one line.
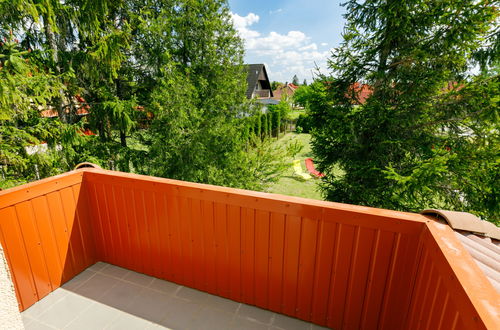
[[99, 246], [265, 93]]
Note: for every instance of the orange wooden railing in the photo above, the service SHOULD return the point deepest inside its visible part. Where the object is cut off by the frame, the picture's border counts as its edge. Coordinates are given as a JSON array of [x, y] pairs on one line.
[[336, 265], [46, 235]]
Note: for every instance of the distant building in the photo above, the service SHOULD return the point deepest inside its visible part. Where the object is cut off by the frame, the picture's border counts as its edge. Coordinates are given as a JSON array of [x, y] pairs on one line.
[[362, 91], [286, 89], [258, 82], [259, 86], [79, 103]]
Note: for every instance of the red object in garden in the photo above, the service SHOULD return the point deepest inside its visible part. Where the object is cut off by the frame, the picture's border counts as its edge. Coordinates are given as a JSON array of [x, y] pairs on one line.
[[310, 167]]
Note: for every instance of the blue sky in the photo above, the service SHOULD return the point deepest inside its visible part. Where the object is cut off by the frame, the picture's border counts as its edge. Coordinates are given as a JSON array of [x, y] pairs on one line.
[[288, 36]]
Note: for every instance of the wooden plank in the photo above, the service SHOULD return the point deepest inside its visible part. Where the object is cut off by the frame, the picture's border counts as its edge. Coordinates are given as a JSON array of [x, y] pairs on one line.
[[12, 196], [95, 221], [323, 272], [261, 258], [340, 275], [207, 216], [114, 225], [185, 241], [83, 218], [221, 249], [109, 244], [276, 261], [34, 248], [75, 238], [143, 231], [62, 236], [234, 247], [378, 274], [48, 240], [358, 279], [307, 261], [122, 223], [164, 234], [173, 215], [198, 257], [152, 219], [16, 253], [133, 231], [248, 255], [291, 264]]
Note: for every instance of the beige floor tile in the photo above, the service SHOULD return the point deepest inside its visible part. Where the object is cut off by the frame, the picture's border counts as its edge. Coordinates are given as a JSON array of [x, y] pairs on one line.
[[121, 295], [35, 310], [220, 303], [35, 325], [255, 314], [150, 305], [98, 266], [164, 286], [97, 316], [110, 297], [181, 314], [191, 294], [65, 310], [96, 286], [78, 280], [290, 323], [114, 271], [246, 324], [211, 319], [126, 321], [137, 278]]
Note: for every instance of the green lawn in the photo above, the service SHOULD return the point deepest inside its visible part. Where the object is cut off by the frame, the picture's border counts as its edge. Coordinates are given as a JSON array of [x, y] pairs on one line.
[[296, 113], [289, 184]]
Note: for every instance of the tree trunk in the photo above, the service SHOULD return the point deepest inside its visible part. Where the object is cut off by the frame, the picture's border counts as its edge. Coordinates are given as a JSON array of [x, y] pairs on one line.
[[123, 139]]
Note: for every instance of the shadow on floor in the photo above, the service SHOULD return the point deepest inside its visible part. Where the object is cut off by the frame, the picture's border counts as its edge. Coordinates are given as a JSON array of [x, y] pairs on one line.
[[109, 297]]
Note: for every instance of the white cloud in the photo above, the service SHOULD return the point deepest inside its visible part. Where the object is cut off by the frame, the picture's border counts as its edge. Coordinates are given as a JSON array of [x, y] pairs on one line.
[[277, 41], [272, 12], [241, 24], [324, 44], [312, 46], [284, 54]]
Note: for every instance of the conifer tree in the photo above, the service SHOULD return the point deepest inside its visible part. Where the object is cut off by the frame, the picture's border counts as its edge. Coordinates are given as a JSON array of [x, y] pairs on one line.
[[428, 134]]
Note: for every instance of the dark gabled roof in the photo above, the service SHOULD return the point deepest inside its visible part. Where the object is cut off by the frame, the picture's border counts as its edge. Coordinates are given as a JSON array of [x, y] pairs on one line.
[[254, 71]]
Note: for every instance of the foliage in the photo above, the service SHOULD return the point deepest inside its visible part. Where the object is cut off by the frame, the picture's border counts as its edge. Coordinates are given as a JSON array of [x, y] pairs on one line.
[[304, 123], [293, 148], [275, 85], [163, 81], [428, 134], [295, 80]]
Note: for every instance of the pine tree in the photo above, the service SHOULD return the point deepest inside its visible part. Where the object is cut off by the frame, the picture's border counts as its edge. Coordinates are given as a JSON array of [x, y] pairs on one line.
[[427, 135]]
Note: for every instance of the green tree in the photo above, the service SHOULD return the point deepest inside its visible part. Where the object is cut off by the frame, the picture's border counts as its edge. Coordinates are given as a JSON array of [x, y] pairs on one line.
[[23, 85], [275, 85], [264, 126], [428, 134], [197, 98], [295, 80]]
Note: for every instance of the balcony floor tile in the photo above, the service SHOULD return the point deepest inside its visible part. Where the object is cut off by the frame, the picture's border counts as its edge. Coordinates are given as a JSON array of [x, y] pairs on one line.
[[109, 297]]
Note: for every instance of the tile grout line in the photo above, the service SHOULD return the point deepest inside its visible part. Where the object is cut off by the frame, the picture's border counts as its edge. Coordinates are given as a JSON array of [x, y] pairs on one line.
[[81, 312]]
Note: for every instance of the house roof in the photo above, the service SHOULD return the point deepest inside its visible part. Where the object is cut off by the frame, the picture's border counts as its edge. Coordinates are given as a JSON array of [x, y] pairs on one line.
[[254, 71], [288, 89], [363, 92], [480, 238]]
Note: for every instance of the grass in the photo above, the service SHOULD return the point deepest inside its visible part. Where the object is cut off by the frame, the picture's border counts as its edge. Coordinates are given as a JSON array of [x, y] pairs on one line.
[[289, 184], [295, 113]]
